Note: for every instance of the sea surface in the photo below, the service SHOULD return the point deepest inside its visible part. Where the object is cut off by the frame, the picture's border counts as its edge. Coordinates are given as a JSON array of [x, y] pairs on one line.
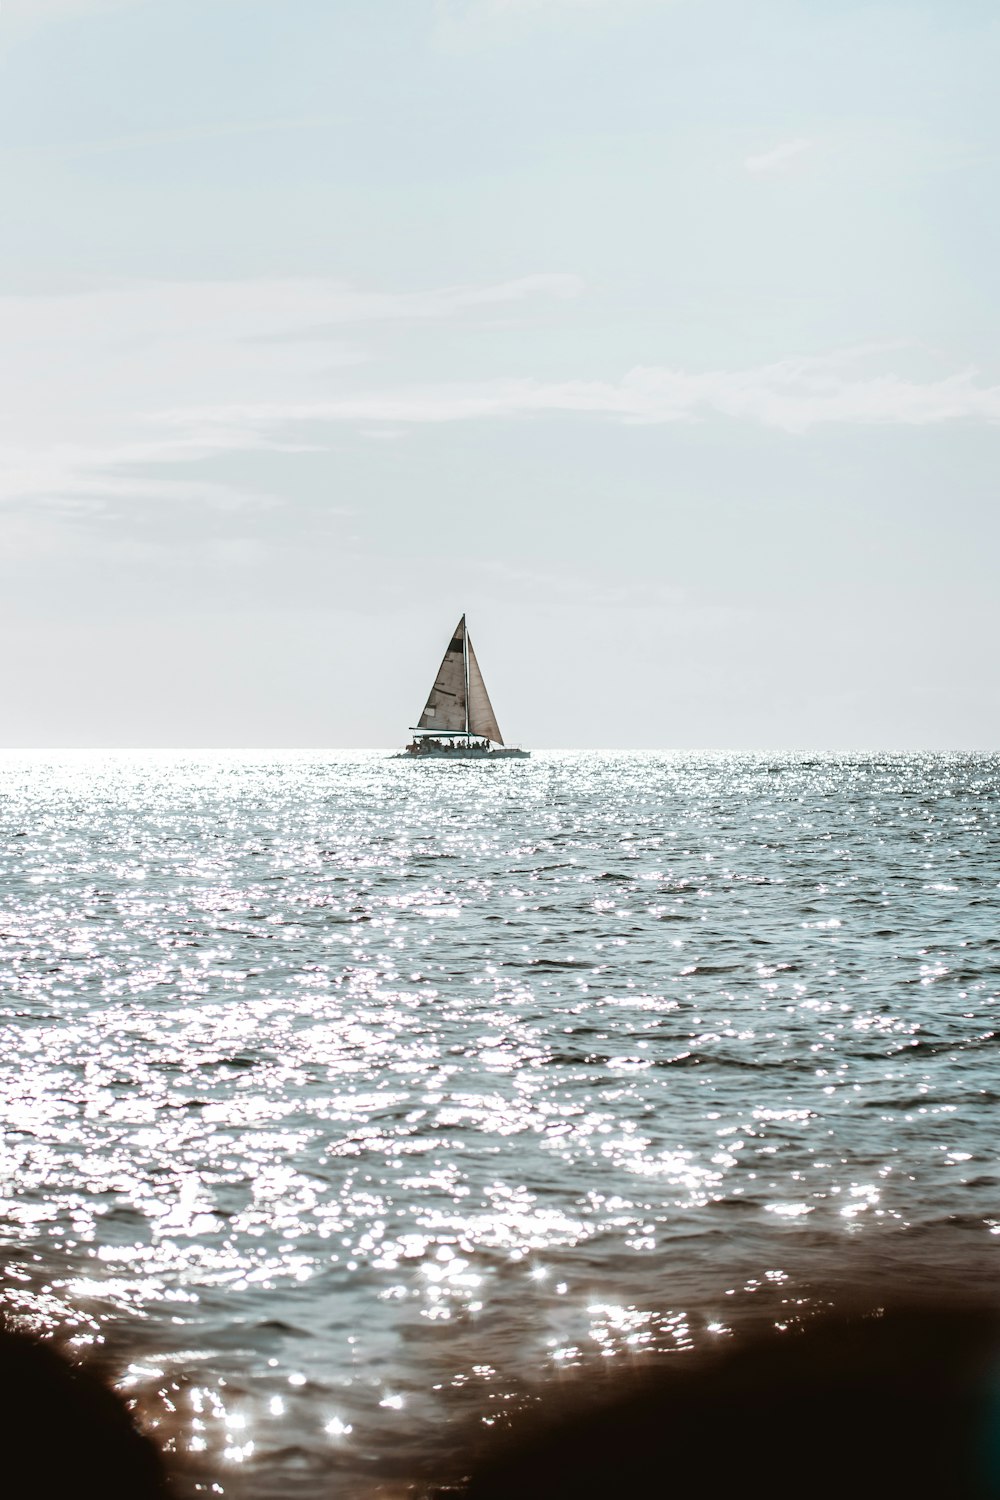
[[350, 1101]]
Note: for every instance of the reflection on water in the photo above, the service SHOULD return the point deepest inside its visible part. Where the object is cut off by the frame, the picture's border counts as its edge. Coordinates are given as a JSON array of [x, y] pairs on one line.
[[344, 1094]]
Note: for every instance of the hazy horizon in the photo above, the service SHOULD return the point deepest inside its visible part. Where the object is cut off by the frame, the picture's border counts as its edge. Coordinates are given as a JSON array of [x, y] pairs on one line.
[[658, 337]]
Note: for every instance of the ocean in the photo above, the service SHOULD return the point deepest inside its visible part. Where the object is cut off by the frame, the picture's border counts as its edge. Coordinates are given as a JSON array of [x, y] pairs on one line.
[[350, 1101]]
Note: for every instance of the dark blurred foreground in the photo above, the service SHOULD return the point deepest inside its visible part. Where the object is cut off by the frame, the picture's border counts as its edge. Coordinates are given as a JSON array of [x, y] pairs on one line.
[[891, 1402], [63, 1432]]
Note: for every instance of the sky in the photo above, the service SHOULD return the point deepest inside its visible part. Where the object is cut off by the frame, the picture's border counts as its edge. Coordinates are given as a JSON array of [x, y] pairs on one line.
[[658, 336]]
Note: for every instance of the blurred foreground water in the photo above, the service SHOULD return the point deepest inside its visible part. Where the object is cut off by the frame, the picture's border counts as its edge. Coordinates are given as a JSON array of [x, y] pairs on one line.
[[347, 1098]]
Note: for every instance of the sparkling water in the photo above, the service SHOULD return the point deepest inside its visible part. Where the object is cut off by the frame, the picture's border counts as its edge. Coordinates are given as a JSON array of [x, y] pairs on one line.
[[347, 1098]]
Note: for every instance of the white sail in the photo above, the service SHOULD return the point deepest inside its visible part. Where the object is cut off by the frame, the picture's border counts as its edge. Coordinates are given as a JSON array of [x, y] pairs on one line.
[[446, 706], [482, 719]]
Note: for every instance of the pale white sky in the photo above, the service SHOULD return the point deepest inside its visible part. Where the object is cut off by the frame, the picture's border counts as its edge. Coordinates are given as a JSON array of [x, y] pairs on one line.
[[660, 336]]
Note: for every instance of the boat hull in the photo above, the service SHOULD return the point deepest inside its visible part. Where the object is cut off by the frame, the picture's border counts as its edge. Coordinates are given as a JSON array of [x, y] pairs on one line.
[[462, 753]]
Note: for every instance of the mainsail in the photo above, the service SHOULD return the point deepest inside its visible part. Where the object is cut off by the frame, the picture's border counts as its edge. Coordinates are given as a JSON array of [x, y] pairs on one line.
[[482, 719], [459, 702], [446, 708]]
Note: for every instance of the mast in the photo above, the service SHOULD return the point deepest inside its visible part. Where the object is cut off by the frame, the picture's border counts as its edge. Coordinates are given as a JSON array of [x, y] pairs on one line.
[[465, 663]]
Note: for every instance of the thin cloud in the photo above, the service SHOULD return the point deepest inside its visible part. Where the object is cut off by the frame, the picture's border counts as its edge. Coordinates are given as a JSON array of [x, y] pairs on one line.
[[452, 12], [463, 23], [141, 140], [82, 371], [241, 309], [792, 395], [134, 389], [114, 471], [517, 7], [37, 11], [779, 158]]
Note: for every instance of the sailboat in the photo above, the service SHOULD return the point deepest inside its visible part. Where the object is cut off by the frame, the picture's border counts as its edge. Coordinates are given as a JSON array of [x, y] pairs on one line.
[[458, 722]]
